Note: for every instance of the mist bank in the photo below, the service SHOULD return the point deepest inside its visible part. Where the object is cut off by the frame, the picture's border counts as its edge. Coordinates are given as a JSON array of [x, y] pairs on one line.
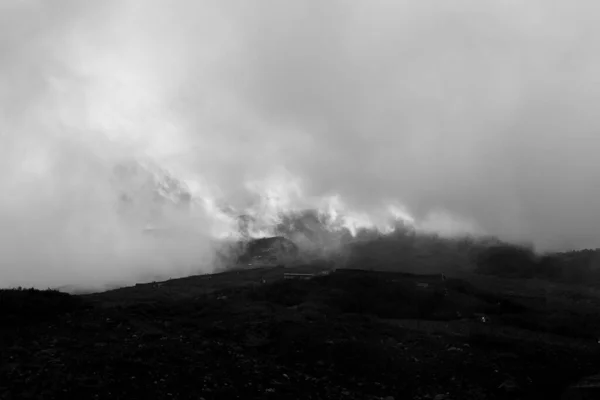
[[474, 117]]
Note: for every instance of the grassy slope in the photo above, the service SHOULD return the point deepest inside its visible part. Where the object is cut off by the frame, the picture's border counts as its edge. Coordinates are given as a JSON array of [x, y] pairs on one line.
[[347, 335]]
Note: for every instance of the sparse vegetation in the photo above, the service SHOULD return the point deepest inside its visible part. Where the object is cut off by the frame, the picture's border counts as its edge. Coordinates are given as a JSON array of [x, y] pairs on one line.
[[26, 305], [511, 261], [370, 330]]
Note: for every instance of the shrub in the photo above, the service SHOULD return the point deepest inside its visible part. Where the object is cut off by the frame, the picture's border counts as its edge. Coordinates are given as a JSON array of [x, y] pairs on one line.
[[507, 261], [33, 304]]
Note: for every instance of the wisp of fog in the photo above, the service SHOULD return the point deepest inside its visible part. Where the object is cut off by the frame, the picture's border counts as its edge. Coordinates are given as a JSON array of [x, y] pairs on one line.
[[474, 115]]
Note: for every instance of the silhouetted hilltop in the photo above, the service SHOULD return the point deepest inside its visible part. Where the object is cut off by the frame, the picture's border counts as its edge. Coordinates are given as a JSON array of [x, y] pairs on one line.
[[306, 332], [579, 266]]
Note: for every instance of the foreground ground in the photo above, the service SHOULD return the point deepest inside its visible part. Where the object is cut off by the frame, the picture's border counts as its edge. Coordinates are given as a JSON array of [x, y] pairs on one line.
[[343, 335]]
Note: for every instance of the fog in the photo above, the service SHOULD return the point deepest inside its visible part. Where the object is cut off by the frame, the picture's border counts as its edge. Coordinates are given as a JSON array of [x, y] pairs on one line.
[[475, 114]]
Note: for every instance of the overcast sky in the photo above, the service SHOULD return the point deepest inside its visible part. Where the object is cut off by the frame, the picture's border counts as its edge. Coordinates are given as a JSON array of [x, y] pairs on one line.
[[486, 110]]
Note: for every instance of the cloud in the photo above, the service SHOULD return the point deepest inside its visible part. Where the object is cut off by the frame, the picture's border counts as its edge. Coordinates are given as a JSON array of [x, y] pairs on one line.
[[483, 109]]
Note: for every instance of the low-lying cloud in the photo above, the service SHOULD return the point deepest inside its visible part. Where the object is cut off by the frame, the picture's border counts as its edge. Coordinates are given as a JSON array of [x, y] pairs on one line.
[[481, 112]]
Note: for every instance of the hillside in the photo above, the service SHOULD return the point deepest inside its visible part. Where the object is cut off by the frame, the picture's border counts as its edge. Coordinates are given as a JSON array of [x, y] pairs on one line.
[[575, 267], [344, 334]]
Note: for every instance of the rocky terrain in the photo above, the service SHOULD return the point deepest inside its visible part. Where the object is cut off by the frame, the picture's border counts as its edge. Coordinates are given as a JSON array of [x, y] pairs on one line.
[[266, 333]]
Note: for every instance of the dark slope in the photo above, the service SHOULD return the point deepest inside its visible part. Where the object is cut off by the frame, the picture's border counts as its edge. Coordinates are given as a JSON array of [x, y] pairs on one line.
[[350, 334]]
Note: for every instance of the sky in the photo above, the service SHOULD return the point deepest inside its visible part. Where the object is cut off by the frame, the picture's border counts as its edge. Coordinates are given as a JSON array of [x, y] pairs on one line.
[[477, 114]]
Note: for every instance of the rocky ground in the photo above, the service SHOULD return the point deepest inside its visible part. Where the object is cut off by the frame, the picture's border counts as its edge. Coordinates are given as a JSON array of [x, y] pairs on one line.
[[253, 335]]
